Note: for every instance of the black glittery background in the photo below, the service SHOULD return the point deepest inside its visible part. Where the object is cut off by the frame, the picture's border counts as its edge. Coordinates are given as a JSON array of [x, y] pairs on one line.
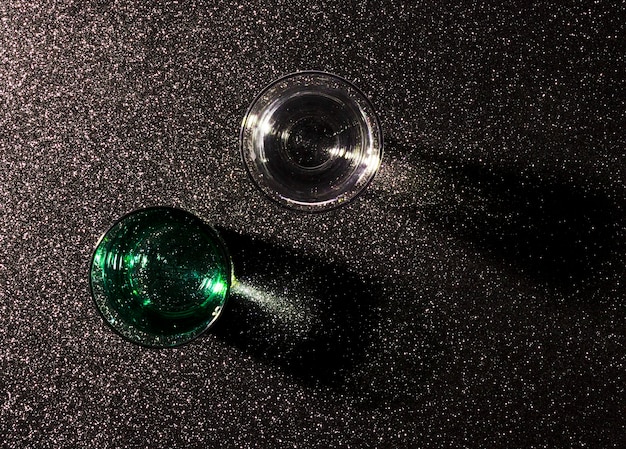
[[473, 296]]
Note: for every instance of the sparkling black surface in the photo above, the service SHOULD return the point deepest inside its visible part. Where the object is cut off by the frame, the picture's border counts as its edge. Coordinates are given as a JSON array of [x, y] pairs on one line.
[[475, 291]]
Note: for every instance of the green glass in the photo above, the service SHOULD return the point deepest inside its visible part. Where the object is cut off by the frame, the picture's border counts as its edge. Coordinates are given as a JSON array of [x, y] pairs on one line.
[[160, 276]]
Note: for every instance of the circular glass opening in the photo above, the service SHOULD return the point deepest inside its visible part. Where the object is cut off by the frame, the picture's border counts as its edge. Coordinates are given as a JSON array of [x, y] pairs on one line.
[[311, 141], [160, 276]]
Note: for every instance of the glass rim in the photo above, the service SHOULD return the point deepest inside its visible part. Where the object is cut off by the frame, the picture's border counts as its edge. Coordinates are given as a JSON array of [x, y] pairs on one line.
[[335, 202], [176, 340]]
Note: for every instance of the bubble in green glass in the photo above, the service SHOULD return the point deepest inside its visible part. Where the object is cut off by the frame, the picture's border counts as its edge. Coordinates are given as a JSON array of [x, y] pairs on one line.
[[160, 276]]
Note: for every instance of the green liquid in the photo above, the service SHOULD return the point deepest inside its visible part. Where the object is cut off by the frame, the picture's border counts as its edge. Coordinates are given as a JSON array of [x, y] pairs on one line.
[[160, 276]]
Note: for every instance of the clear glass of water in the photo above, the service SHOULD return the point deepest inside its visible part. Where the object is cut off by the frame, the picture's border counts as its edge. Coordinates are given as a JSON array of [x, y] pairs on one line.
[[311, 141]]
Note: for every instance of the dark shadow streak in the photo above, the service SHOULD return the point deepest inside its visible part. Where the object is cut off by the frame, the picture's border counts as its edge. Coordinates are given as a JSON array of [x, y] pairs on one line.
[[567, 236], [318, 327]]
